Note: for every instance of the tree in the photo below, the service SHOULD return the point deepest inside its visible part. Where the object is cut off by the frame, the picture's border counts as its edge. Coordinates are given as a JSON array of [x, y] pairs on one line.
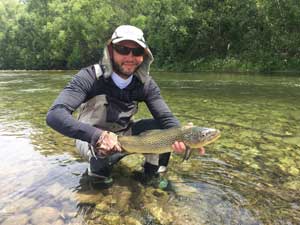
[[10, 12]]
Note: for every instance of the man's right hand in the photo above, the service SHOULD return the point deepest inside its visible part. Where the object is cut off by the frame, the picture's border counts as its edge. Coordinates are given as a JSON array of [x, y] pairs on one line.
[[107, 144]]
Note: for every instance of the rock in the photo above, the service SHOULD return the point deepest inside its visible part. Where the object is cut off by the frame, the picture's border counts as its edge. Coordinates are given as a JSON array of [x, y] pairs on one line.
[[78, 221], [123, 198], [58, 191], [105, 204], [292, 140], [102, 206], [159, 213], [58, 222], [69, 210], [128, 220], [45, 215], [21, 219], [292, 185], [185, 190], [91, 197], [132, 162], [112, 219], [294, 171], [155, 195], [268, 147], [55, 189], [20, 205]]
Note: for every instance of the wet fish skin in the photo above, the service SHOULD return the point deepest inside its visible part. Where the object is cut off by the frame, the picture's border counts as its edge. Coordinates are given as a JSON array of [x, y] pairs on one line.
[[160, 141]]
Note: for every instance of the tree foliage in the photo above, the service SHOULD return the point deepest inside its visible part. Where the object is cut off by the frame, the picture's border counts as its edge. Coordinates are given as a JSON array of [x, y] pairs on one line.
[[183, 34]]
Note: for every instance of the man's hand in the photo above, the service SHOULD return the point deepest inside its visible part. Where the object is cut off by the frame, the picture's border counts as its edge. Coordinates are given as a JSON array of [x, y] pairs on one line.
[[108, 144], [179, 147]]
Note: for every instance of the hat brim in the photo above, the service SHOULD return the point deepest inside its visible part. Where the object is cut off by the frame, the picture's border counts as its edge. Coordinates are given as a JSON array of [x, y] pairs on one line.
[[141, 43]]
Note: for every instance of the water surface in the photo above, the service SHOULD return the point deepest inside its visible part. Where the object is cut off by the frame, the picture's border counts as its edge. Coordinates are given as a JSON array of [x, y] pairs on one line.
[[249, 176]]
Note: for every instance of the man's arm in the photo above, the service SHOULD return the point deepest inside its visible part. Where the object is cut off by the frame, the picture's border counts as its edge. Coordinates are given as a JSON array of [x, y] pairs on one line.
[[163, 114], [59, 116], [158, 107]]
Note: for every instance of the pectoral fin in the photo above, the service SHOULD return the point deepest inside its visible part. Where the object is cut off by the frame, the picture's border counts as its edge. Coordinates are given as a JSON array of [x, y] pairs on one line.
[[187, 153]]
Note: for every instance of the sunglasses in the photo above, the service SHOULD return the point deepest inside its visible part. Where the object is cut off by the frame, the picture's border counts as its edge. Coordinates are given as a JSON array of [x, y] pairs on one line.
[[122, 50]]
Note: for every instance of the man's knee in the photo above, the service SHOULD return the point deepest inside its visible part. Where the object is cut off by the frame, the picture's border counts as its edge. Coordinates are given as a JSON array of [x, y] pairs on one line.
[[164, 159], [144, 125], [84, 149]]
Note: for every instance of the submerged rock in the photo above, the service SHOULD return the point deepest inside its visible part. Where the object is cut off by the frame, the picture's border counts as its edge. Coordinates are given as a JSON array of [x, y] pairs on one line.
[[154, 195], [20, 205], [159, 213], [128, 220], [69, 210], [292, 140], [294, 171], [123, 201], [268, 147], [293, 185], [289, 165], [90, 197], [132, 162], [59, 191], [55, 189], [104, 205], [21, 219], [107, 219], [184, 190], [45, 215]]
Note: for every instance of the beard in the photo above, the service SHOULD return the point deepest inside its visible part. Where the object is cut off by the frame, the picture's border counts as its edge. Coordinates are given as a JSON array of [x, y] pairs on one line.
[[118, 68]]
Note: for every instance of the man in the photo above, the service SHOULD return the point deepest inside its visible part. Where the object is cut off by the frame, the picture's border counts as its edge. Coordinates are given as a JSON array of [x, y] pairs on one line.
[[108, 94]]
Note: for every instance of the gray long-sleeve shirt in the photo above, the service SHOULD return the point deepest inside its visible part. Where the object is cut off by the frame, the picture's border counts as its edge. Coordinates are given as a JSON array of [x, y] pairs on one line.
[[85, 85]]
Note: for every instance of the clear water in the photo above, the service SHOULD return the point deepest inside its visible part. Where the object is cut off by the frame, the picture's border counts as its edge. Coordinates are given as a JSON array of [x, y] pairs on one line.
[[249, 176]]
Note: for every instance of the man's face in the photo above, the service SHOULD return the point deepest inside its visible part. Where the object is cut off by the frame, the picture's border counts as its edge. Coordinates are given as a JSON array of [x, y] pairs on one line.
[[126, 64]]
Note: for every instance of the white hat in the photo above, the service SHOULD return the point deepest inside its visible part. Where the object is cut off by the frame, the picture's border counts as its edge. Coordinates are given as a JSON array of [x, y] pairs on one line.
[[127, 32]]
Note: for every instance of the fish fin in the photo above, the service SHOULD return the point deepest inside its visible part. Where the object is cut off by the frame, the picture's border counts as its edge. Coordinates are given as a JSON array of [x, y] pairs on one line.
[[156, 131], [187, 153]]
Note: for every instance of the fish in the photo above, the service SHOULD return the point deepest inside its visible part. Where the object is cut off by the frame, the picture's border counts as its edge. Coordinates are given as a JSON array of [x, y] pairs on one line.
[[160, 141]]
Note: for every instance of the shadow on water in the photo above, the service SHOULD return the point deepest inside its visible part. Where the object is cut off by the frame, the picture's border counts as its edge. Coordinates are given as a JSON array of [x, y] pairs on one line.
[[249, 176]]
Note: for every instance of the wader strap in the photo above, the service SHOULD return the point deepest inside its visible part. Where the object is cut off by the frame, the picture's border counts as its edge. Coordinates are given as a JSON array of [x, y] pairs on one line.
[[98, 71]]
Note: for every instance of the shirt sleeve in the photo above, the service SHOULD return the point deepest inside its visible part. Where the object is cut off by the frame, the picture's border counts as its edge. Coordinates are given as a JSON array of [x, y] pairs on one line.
[[158, 107], [59, 116]]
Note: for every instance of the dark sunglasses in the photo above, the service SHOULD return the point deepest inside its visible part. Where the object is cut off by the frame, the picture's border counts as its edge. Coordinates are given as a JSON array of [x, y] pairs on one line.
[[122, 50]]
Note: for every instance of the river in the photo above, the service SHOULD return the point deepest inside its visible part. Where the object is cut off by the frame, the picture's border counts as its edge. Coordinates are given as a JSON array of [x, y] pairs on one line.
[[251, 175]]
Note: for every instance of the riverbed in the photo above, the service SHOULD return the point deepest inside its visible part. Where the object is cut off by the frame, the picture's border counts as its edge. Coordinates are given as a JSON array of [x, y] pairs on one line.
[[251, 175]]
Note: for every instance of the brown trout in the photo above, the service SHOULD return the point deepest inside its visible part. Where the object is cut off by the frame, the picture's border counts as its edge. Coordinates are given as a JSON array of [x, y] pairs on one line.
[[160, 141]]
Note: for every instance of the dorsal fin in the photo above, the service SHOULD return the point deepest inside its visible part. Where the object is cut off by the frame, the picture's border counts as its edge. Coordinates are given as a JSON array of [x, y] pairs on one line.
[[150, 132]]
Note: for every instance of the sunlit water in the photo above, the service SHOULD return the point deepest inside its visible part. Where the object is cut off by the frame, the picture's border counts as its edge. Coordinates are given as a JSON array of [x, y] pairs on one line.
[[249, 176]]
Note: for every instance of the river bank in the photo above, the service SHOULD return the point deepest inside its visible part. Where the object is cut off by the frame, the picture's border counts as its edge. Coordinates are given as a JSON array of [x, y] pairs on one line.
[[232, 65]]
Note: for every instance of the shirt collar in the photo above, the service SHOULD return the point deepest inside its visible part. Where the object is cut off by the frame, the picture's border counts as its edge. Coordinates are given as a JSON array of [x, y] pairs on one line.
[[120, 82]]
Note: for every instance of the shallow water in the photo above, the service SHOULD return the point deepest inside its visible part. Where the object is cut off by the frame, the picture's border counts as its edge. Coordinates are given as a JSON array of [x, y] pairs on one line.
[[249, 176]]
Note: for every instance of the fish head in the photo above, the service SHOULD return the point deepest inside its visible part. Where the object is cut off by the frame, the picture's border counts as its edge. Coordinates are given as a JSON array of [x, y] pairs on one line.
[[201, 136]]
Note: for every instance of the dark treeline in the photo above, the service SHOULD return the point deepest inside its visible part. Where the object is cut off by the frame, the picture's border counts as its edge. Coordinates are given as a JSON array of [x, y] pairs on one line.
[[255, 35]]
